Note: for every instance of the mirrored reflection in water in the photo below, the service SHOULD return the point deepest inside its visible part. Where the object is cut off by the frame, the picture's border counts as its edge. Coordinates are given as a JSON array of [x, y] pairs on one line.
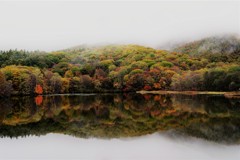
[[211, 117]]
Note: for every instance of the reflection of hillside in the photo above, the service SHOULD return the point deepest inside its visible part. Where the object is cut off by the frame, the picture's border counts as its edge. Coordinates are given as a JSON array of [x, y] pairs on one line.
[[119, 115], [225, 129]]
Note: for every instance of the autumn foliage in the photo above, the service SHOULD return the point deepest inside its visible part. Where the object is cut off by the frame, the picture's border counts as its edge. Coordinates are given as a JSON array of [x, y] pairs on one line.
[[116, 68], [147, 87], [38, 89]]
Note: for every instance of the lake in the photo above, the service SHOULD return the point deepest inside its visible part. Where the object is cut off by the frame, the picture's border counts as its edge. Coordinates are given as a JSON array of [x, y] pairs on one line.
[[120, 126]]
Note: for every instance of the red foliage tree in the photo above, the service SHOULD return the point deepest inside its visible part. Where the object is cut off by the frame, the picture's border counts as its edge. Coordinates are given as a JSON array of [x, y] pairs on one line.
[[147, 88]]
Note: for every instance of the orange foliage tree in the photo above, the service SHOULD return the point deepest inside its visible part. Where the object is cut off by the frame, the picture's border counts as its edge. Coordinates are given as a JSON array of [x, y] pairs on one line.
[[38, 89]]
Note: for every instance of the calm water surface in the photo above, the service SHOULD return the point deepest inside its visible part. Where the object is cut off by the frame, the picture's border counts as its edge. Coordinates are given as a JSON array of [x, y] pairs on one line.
[[120, 126]]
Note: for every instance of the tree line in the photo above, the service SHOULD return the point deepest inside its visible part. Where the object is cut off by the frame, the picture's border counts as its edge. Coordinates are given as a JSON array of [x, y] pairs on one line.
[[114, 68]]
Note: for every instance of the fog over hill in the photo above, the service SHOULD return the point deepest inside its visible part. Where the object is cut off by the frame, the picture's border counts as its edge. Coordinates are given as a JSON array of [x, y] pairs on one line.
[[228, 44], [51, 26]]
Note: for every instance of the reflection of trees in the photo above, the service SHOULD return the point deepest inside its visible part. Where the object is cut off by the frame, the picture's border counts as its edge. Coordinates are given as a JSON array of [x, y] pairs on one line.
[[19, 111], [225, 129], [119, 115], [5, 108]]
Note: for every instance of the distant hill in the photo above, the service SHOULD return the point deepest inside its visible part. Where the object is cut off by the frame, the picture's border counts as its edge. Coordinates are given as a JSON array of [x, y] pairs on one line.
[[227, 45]]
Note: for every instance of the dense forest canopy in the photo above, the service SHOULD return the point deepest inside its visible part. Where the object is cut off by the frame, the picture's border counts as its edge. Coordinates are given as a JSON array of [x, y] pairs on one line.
[[209, 64]]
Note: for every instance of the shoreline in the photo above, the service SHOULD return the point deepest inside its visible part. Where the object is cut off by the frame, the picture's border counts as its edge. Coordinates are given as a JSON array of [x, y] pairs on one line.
[[231, 94]]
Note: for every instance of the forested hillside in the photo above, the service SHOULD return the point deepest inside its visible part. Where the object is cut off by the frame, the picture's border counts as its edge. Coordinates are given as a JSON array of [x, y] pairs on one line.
[[121, 68], [219, 48]]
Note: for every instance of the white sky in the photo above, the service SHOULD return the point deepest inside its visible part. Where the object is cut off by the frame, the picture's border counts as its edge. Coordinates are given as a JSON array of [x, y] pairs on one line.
[[58, 25]]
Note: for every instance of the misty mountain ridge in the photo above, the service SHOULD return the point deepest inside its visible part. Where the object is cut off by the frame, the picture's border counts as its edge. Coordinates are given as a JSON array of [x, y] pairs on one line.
[[225, 45], [228, 45]]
